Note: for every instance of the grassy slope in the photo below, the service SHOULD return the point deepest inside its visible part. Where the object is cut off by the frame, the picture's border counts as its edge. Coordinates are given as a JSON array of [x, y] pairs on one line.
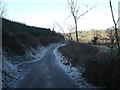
[[87, 36], [17, 37], [17, 40]]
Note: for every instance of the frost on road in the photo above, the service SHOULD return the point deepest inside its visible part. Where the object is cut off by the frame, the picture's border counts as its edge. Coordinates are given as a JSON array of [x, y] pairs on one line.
[[46, 73], [13, 69], [46, 70], [74, 73]]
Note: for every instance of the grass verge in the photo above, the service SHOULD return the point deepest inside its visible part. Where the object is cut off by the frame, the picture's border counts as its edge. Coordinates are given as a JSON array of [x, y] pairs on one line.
[[100, 68]]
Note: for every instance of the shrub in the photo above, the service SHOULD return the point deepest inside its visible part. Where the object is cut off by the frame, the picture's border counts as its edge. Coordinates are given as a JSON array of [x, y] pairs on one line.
[[100, 68], [11, 44], [76, 52], [103, 70]]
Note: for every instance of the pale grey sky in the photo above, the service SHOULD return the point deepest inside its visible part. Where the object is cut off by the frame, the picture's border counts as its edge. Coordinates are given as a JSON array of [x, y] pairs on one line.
[[44, 13]]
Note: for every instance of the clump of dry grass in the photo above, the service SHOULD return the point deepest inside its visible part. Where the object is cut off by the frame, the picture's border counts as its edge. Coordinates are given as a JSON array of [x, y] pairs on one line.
[[77, 53]]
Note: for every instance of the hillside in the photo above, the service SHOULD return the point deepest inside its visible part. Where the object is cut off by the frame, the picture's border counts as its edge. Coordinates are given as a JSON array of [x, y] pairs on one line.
[[17, 37], [87, 36], [23, 44]]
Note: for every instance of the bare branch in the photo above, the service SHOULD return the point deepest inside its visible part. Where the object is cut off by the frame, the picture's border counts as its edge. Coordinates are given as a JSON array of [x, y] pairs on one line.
[[118, 20], [115, 23], [61, 29], [112, 12], [86, 11], [2, 9], [111, 35], [67, 17], [74, 9]]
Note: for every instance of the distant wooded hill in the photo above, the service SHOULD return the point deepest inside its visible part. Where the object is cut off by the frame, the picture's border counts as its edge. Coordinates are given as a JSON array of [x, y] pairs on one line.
[[17, 37]]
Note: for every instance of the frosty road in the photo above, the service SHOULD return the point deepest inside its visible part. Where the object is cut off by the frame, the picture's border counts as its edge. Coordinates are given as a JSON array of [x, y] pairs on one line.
[[46, 73]]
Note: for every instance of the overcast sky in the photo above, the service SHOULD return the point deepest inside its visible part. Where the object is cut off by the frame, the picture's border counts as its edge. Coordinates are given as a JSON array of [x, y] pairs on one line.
[[46, 13]]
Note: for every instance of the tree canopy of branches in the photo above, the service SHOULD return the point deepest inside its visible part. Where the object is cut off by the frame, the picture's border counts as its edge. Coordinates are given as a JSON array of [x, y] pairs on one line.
[[115, 26], [111, 35], [74, 10], [2, 9]]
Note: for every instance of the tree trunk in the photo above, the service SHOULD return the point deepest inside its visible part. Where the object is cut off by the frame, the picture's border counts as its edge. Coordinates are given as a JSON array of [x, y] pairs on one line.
[[76, 30], [116, 33], [117, 39]]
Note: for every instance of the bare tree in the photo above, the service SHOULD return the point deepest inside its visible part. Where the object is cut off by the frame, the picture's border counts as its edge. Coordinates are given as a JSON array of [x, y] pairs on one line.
[[56, 24], [115, 23], [2, 9], [71, 30], [74, 10], [96, 33], [111, 35]]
